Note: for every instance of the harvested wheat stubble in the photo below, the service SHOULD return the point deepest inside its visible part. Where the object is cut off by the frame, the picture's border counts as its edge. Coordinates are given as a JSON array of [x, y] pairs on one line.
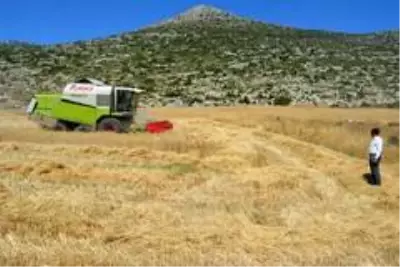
[[226, 187]]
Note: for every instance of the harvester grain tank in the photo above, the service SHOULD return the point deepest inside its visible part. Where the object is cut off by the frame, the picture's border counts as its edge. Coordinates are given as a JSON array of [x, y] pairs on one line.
[[90, 105]]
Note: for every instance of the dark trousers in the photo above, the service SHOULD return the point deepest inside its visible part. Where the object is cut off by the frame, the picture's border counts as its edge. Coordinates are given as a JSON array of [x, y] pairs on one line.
[[375, 171]]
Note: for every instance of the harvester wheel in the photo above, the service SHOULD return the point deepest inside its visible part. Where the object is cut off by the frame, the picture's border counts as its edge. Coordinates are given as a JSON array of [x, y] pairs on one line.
[[110, 124], [60, 126]]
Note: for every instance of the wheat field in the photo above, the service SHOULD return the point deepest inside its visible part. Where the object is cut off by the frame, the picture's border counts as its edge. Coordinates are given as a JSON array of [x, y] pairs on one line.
[[228, 186]]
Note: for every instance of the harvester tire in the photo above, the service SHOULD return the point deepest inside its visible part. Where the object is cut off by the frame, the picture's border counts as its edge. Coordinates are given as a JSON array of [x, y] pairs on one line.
[[60, 126], [110, 124]]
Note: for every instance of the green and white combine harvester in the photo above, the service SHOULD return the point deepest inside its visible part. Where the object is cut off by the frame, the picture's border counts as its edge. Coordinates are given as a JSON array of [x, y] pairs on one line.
[[90, 105]]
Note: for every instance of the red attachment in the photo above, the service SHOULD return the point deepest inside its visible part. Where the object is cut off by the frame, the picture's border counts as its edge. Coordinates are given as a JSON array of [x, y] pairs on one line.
[[158, 126]]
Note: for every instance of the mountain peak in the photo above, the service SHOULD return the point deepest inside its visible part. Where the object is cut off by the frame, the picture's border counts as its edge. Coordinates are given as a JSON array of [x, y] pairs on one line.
[[202, 13], [204, 10]]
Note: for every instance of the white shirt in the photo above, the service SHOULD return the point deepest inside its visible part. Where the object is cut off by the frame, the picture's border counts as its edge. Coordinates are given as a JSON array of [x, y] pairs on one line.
[[376, 146]]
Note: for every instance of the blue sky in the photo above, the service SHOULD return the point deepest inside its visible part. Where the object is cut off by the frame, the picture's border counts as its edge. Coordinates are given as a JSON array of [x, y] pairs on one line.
[[55, 21]]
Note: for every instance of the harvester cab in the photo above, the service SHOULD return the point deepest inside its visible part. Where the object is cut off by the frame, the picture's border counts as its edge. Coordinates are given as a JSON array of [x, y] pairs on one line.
[[88, 105]]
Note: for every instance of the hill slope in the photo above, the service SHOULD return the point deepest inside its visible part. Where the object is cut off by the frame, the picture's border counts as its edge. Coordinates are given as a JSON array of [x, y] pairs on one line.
[[211, 57]]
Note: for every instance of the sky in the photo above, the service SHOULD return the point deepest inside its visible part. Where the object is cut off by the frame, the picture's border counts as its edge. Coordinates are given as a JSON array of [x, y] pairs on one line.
[[58, 21]]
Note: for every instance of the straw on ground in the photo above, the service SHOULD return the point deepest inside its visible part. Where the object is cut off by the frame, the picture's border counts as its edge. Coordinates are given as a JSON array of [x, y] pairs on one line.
[[229, 186]]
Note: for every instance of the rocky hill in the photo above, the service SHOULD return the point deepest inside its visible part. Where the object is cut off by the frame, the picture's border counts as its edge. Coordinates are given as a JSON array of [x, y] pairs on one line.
[[206, 56]]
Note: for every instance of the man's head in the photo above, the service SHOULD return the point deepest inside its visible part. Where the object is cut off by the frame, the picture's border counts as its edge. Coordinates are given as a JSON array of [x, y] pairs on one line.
[[375, 132]]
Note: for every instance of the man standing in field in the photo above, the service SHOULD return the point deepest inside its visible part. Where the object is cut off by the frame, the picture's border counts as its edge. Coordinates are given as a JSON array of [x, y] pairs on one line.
[[375, 155]]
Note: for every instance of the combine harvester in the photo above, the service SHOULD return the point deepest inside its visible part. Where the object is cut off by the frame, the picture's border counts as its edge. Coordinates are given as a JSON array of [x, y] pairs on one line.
[[91, 105]]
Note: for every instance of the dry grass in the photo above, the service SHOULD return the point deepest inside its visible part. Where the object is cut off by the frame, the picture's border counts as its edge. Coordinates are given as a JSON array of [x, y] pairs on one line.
[[229, 186]]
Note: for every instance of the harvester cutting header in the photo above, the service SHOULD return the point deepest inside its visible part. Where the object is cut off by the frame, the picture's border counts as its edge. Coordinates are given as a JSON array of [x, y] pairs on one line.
[[90, 105]]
